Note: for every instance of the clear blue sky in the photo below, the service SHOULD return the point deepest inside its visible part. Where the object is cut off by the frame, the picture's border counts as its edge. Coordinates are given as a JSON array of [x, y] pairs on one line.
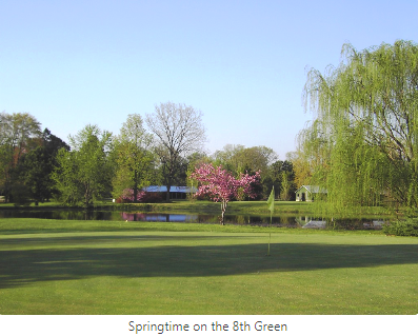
[[242, 63]]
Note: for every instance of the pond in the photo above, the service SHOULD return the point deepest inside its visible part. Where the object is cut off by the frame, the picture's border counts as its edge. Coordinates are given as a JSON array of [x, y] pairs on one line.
[[278, 221]]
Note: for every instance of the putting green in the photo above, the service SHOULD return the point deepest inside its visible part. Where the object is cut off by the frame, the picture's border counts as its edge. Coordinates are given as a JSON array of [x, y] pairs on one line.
[[155, 272]]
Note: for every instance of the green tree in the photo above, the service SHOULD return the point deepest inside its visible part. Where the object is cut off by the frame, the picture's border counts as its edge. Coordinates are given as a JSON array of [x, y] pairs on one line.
[[281, 176], [231, 157], [133, 157], [239, 159], [194, 161], [35, 167], [367, 125], [19, 134], [287, 191], [84, 174]]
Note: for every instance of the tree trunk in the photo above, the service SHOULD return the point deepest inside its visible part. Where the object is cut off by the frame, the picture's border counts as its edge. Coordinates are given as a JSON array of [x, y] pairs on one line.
[[87, 196], [223, 208], [135, 189], [168, 192]]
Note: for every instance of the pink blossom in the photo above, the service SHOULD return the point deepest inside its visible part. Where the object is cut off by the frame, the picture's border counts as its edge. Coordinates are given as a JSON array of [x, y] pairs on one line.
[[142, 196], [221, 186]]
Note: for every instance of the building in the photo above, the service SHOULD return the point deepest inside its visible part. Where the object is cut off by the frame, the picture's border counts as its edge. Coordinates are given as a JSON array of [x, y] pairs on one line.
[[309, 192], [176, 192]]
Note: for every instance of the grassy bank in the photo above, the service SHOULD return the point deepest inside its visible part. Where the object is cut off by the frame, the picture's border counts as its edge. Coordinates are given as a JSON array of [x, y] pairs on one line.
[[184, 205], [93, 267], [12, 226]]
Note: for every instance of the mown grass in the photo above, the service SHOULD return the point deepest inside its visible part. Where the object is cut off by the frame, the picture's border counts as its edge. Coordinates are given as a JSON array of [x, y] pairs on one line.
[[94, 267]]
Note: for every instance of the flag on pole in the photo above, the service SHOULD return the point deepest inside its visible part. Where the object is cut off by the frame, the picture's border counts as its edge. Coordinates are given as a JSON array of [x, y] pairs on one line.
[[270, 203]]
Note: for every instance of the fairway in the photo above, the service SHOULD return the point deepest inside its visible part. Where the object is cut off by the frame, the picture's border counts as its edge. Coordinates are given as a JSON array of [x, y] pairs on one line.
[[144, 271]]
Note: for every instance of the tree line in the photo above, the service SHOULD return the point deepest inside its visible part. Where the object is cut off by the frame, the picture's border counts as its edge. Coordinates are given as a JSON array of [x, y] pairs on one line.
[[362, 147], [164, 148]]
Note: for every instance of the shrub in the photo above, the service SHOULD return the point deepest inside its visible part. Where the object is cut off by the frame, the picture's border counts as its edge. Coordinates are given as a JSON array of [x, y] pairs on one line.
[[408, 227], [20, 195], [150, 197], [142, 197]]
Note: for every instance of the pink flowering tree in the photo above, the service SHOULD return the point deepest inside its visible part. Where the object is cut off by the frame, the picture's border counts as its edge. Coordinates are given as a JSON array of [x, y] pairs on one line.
[[221, 186]]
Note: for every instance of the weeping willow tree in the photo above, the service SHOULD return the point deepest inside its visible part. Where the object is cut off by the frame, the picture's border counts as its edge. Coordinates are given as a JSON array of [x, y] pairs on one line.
[[311, 157], [366, 129]]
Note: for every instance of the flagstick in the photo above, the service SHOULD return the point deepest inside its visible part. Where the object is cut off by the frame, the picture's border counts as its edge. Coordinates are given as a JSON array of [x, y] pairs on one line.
[[270, 202], [268, 246], [268, 249]]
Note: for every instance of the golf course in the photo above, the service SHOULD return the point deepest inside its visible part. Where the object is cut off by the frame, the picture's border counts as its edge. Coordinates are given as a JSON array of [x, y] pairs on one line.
[[116, 267]]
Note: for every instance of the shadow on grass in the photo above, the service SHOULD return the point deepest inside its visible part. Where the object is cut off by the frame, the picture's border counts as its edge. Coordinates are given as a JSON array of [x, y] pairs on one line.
[[20, 267], [107, 238]]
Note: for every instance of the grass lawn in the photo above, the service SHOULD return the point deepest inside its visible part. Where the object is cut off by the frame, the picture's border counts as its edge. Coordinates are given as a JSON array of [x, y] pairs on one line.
[[93, 267]]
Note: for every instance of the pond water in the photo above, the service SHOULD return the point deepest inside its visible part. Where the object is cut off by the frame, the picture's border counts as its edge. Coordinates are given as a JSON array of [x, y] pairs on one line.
[[278, 221]]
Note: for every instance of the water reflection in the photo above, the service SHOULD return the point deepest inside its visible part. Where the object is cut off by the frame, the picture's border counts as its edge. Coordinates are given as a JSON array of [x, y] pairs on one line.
[[278, 221]]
